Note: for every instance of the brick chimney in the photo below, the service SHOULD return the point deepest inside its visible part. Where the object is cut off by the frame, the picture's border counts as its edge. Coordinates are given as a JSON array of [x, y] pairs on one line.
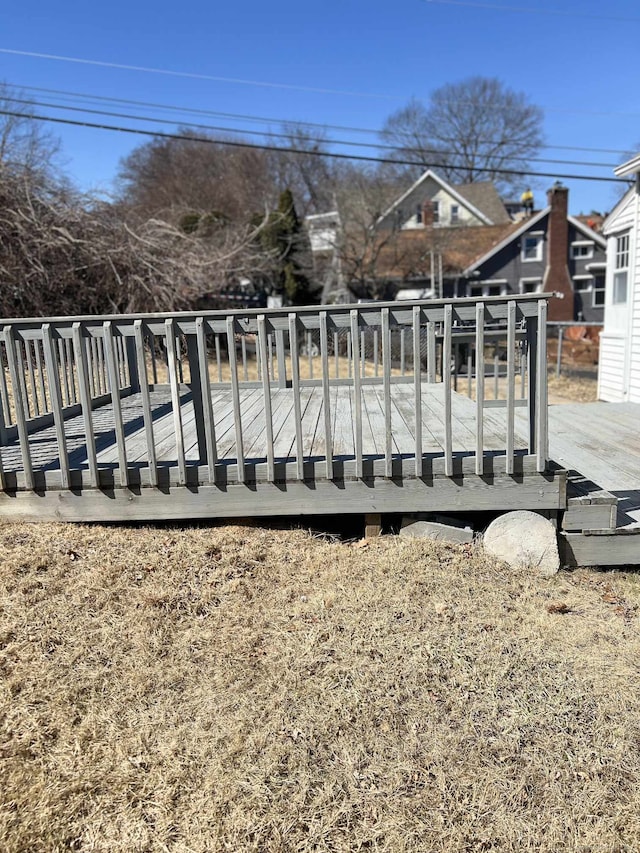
[[556, 275]]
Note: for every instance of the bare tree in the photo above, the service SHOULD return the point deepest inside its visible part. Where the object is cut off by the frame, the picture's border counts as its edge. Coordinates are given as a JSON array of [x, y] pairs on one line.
[[25, 146], [474, 130]]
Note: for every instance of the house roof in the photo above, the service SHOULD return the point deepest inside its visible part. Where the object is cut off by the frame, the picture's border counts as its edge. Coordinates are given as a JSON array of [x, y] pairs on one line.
[[408, 254], [453, 191], [484, 196], [526, 225], [631, 167]]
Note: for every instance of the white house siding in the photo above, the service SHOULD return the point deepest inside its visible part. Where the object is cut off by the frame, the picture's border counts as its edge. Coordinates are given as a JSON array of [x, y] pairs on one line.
[[613, 385], [611, 368]]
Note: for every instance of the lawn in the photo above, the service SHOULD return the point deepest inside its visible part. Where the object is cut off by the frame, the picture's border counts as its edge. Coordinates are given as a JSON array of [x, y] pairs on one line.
[[240, 688]]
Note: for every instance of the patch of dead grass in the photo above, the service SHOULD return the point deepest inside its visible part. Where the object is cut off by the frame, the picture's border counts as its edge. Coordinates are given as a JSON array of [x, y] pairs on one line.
[[244, 689]]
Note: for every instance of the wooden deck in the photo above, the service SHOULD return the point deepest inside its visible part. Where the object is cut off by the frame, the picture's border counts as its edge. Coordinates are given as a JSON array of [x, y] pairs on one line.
[[337, 409]]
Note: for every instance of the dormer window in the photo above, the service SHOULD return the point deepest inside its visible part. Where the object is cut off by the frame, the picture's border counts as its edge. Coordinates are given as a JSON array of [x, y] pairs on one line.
[[581, 249]]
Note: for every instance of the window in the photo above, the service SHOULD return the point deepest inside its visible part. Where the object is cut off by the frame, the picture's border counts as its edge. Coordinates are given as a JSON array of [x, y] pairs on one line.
[[621, 270], [582, 284], [581, 249], [598, 291], [436, 211], [497, 287], [455, 214], [530, 285], [418, 214], [532, 247]]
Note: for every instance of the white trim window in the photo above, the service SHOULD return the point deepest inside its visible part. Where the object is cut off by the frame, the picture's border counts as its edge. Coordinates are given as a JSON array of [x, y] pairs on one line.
[[598, 291], [530, 285], [621, 270], [490, 287], [455, 214], [435, 204], [532, 247], [581, 250]]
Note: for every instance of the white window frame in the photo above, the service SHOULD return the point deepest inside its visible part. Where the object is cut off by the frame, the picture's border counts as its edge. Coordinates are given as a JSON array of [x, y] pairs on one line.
[[435, 205], [576, 250], [620, 289], [454, 213], [595, 290], [539, 237], [488, 283], [589, 279], [537, 280]]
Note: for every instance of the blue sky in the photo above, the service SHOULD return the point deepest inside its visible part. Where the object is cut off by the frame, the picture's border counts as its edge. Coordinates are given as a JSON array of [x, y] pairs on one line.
[[339, 63]]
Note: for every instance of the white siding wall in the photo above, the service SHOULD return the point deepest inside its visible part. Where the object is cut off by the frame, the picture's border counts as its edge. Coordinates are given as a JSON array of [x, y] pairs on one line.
[[634, 363], [615, 339], [611, 368]]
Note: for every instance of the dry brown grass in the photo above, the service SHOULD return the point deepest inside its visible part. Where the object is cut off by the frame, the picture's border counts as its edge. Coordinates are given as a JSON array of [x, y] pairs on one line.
[[244, 689]]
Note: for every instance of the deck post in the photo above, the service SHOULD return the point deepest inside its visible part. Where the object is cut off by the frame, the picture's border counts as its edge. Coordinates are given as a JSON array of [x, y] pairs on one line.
[[195, 384]]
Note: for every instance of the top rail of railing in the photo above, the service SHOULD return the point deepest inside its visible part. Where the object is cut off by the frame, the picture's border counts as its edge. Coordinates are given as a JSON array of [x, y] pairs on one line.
[[464, 308]]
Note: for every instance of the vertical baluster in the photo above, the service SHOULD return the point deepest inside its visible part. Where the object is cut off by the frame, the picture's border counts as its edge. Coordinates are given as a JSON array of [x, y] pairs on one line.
[[7, 417], [37, 345], [363, 345], [496, 375], [110, 357], [375, 352], [523, 369], [511, 383], [86, 344], [32, 382], [456, 362], [326, 395], [310, 353], [84, 390], [280, 357], [179, 361], [68, 351], [174, 382], [218, 357], [350, 370], [147, 414], [295, 386], [23, 383], [62, 373], [152, 353], [235, 394], [446, 379], [53, 372], [542, 411], [431, 352], [19, 406], [102, 367], [469, 369], [386, 385], [207, 408], [480, 388], [357, 392], [417, 388], [245, 366], [266, 353], [402, 353], [336, 354]]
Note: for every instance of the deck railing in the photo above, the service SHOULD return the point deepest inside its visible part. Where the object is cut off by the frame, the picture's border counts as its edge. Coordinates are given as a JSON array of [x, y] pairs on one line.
[[493, 349]]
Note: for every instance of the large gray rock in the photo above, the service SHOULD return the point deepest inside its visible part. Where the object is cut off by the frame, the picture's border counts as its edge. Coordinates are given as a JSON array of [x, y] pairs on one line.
[[524, 539], [449, 531]]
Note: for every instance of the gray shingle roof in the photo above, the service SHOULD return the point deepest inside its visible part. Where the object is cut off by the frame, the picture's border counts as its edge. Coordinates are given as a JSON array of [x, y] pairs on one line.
[[484, 196]]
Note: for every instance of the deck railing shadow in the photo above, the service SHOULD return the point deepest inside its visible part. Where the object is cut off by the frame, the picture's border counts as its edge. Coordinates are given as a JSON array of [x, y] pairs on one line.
[[59, 372]]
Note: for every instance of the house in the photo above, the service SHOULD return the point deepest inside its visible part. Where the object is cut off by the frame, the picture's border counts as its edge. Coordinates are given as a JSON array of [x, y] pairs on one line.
[[431, 201], [619, 368], [548, 251]]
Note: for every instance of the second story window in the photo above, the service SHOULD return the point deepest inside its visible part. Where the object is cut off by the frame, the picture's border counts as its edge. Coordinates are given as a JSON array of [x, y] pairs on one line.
[[455, 214], [532, 247], [621, 270], [436, 212], [418, 214]]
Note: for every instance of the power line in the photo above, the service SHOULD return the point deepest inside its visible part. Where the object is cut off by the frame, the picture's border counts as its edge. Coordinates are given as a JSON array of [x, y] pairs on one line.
[[263, 83], [275, 135], [266, 120], [530, 10], [336, 156], [192, 75]]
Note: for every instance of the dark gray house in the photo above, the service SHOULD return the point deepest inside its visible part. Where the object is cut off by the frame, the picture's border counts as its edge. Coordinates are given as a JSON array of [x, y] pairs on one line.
[[549, 251]]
